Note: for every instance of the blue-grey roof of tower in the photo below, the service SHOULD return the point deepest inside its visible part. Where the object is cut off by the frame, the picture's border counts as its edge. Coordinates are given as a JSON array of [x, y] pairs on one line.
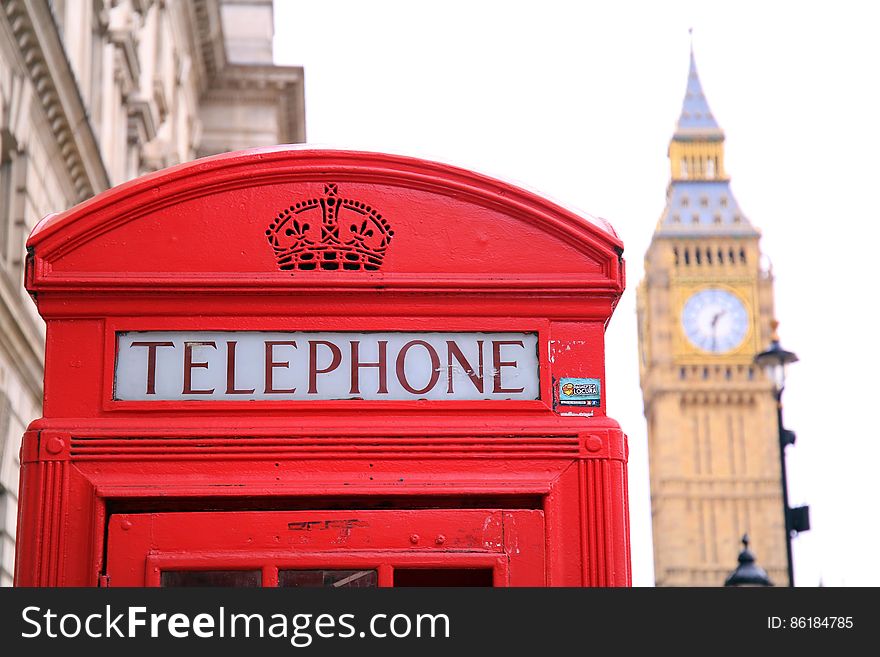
[[698, 208], [696, 119], [703, 207]]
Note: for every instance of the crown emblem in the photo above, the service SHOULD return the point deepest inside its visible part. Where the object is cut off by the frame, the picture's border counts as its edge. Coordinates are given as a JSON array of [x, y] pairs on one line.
[[330, 233]]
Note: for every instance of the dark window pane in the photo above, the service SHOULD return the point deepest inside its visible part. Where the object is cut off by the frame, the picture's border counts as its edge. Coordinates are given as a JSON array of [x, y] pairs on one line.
[[349, 579], [443, 577], [211, 578]]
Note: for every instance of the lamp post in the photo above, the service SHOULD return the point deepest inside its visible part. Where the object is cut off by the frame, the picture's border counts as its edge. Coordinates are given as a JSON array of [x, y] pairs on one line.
[[774, 362], [747, 573]]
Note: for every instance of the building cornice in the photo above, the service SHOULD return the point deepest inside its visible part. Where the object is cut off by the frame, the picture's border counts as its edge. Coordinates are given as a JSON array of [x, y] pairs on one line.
[[221, 80], [56, 88], [208, 41], [283, 85]]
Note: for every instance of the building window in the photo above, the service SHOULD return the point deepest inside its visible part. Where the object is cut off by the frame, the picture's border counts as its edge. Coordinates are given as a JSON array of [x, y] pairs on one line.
[[704, 201], [684, 168], [96, 70], [710, 167], [6, 188], [13, 231], [684, 201]]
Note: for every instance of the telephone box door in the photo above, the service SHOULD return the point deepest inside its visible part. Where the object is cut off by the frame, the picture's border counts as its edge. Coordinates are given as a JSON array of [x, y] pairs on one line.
[[473, 547]]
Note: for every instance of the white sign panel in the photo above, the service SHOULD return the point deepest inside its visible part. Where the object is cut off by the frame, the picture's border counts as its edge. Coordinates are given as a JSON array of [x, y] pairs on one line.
[[244, 365]]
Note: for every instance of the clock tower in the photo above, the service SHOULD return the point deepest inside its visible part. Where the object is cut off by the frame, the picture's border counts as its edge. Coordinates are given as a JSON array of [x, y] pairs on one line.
[[705, 308]]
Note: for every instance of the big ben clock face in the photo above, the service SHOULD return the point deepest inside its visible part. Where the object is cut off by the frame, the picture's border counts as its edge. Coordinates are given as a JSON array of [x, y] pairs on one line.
[[715, 320]]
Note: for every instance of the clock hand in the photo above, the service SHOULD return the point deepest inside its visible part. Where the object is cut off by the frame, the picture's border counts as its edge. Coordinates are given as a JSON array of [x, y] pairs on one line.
[[715, 319]]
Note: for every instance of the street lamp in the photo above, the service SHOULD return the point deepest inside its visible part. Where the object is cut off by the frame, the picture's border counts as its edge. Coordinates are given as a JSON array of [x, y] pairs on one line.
[[747, 573], [774, 362]]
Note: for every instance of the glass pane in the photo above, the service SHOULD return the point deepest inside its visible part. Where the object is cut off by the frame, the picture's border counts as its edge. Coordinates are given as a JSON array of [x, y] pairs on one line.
[[349, 579], [238, 578], [443, 577]]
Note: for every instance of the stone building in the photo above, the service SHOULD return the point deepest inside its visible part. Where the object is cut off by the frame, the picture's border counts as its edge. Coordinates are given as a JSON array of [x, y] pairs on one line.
[[705, 308], [94, 93]]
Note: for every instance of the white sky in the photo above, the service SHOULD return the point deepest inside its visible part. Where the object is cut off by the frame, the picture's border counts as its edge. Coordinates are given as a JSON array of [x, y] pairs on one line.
[[578, 101]]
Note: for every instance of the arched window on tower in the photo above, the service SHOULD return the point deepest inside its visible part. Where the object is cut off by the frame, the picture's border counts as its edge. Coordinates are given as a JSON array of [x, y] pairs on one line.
[[684, 168], [710, 167]]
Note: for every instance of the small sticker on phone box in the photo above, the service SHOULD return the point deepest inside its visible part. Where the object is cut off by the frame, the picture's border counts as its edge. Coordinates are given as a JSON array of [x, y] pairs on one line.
[[579, 392]]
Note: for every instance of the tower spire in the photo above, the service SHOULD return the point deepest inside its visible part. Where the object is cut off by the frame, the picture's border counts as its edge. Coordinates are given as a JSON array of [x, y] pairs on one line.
[[696, 119], [699, 200]]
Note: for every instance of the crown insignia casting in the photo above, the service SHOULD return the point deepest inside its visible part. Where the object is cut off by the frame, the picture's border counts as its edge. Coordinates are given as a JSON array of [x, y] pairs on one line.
[[329, 233]]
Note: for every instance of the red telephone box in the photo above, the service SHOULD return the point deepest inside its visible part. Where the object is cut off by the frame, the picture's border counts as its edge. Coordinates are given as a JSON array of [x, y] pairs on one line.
[[290, 367]]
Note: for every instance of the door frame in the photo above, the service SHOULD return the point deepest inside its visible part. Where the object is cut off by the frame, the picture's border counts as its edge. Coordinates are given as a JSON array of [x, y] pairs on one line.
[[384, 562]]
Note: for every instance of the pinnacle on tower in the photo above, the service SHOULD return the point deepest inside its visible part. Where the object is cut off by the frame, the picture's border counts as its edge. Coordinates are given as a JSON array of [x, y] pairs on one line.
[[696, 119]]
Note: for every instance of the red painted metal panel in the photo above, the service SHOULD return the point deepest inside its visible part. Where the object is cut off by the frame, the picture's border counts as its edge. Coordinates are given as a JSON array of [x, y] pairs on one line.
[[524, 545], [206, 223], [141, 546]]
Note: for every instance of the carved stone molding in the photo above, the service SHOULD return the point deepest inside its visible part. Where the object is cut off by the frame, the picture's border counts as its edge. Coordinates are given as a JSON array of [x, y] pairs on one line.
[[57, 91], [221, 80]]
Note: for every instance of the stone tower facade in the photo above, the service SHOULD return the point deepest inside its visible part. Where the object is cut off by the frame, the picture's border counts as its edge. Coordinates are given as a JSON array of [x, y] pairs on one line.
[[705, 308]]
